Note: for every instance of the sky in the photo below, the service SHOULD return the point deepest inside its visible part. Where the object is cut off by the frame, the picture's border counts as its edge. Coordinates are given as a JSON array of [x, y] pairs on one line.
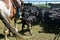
[[41, 0], [37, 1]]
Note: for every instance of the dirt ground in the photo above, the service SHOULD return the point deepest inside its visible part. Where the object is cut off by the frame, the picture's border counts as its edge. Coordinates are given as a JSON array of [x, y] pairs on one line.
[[36, 30]]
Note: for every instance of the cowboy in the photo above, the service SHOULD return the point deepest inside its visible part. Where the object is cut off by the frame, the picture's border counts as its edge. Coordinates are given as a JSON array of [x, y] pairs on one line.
[[19, 6]]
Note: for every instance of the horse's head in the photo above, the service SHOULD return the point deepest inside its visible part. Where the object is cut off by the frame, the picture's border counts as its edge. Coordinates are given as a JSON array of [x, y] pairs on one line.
[[21, 4]]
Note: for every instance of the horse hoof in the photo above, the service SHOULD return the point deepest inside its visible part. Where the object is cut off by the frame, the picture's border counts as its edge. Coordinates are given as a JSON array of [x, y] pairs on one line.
[[6, 39], [16, 29]]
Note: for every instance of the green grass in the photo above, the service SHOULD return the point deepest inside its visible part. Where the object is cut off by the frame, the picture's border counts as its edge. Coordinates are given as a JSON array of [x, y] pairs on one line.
[[35, 33], [34, 30], [42, 5]]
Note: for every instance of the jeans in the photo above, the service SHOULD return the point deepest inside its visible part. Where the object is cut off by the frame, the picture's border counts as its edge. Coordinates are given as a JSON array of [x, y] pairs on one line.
[[18, 13]]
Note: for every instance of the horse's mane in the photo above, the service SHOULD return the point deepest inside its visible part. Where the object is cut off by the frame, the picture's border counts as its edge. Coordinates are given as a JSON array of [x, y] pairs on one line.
[[15, 3]]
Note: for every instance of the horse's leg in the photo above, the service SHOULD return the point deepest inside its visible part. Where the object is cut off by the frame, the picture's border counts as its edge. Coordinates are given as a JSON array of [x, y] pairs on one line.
[[5, 33], [23, 26], [10, 34], [29, 28], [5, 29], [15, 24]]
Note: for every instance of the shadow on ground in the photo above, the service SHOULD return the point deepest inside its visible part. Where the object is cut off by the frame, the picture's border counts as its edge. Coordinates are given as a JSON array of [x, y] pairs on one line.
[[1, 36], [23, 31]]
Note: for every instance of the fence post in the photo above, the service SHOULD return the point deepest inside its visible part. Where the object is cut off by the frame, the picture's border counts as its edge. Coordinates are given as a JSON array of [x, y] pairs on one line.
[[46, 3]]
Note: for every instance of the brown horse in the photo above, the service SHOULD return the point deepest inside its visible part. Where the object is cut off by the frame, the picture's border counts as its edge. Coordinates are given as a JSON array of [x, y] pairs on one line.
[[14, 9], [8, 8]]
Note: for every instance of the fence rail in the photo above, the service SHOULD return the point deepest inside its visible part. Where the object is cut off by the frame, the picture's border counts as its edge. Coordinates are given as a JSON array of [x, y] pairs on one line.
[[41, 2]]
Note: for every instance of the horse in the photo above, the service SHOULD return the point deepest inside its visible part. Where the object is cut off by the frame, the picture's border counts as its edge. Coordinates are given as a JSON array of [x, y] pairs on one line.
[[19, 5], [8, 9], [15, 9]]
